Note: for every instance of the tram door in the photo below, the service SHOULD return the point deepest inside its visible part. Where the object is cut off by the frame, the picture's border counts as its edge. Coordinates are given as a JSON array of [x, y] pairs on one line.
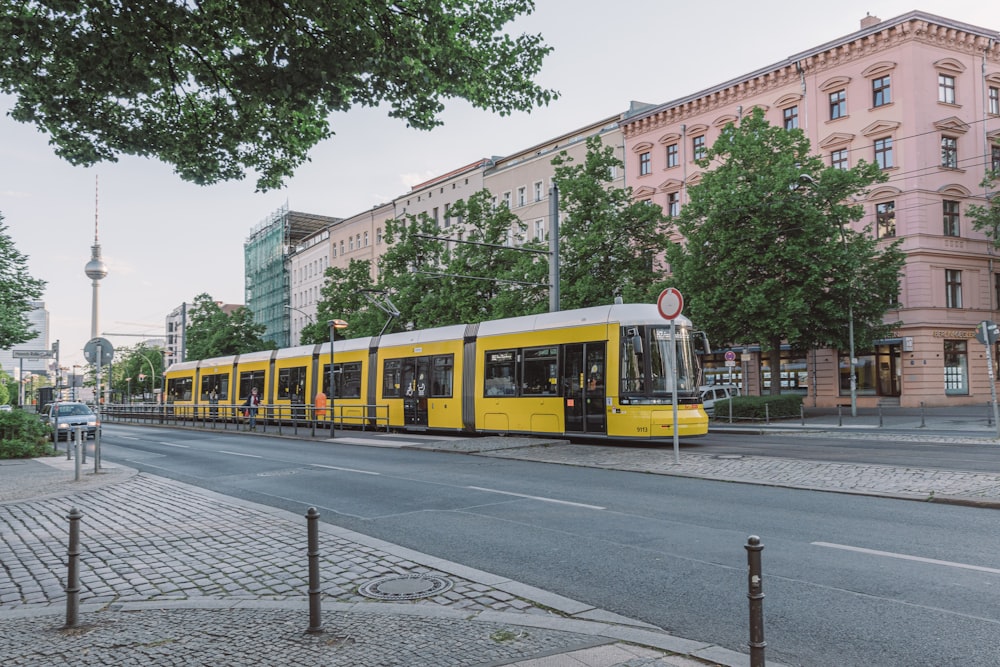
[[583, 373], [416, 389]]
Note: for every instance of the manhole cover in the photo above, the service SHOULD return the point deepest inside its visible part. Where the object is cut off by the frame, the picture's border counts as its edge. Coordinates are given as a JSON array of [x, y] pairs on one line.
[[405, 587]]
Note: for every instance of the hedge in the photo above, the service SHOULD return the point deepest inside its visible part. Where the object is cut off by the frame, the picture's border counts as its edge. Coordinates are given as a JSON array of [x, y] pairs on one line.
[[760, 408], [23, 435]]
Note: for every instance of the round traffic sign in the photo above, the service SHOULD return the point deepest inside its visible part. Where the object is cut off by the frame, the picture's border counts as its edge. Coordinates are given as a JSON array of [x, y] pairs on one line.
[[670, 304], [730, 355]]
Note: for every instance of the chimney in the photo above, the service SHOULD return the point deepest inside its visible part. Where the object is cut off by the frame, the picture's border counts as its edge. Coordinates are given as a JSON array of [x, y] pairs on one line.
[[869, 20]]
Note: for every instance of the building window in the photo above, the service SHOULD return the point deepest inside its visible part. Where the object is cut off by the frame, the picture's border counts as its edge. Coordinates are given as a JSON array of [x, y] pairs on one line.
[[949, 152], [883, 152], [673, 204], [672, 159], [951, 220], [350, 243], [881, 91], [994, 101], [791, 117], [645, 164], [522, 197], [838, 159], [539, 230], [885, 219], [378, 236], [956, 367], [995, 158], [506, 199], [698, 147], [838, 104], [538, 191], [953, 288], [341, 247], [946, 88], [366, 239]]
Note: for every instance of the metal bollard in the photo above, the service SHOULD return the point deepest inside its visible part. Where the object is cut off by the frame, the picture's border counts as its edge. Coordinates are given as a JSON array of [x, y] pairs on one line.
[[78, 456], [921, 414], [767, 415], [802, 414], [756, 596], [73, 575], [880, 416], [840, 415], [97, 451], [312, 525]]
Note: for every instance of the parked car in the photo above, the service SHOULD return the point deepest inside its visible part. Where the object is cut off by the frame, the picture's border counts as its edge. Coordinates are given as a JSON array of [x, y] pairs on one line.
[[5, 408], [64, 417], [711, 393]]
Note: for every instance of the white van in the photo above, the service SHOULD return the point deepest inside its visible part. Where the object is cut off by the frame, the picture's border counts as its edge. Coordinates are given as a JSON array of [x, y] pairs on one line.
[[710, 393]]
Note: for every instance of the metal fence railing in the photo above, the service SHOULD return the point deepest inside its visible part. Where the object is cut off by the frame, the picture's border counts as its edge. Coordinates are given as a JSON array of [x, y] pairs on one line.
[[274, 418]]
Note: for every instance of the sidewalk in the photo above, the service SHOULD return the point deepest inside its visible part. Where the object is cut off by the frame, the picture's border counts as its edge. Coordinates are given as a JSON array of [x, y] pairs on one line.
[[172, 574]]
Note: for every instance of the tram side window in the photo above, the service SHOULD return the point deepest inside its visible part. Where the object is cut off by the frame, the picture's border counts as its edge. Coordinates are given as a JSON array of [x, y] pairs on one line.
[[292, 382], [540, 376], [220, 383], [501, 373], [347, 378], [248, 380], [179, 389], [391, 378], [633, 378], [443, 376]]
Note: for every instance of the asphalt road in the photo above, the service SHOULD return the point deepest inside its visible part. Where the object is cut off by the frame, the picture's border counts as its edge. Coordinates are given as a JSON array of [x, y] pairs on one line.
[[849, 580]]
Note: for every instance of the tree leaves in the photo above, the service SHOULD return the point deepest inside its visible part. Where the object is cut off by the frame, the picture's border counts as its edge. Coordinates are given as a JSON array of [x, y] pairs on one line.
[[17, 290], [221, 87]]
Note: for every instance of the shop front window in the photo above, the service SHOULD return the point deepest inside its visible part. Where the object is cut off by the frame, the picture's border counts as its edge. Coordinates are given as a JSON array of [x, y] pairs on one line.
[[866, 372], [956, 367]]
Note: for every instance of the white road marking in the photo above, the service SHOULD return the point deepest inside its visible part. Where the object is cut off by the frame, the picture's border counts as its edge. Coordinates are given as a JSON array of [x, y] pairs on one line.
[[543, 499], [919, 559], [249, 456], [170, 444], [363, 472]]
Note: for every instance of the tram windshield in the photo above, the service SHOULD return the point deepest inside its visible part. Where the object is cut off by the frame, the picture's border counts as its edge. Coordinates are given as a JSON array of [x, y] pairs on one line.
[[646, 361]]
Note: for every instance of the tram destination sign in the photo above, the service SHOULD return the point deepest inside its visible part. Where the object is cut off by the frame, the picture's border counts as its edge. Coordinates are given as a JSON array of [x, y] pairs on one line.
[[33, 354]]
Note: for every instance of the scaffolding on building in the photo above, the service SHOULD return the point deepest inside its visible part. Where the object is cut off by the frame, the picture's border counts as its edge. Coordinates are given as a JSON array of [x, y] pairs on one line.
[[266, 251]]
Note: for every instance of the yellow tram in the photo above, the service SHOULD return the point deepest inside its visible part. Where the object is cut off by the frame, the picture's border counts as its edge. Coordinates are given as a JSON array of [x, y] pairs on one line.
[[604, 371]]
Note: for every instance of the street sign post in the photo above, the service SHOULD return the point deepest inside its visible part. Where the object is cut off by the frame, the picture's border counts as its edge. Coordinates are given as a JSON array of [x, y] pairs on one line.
[[670, 304], [988, 333]]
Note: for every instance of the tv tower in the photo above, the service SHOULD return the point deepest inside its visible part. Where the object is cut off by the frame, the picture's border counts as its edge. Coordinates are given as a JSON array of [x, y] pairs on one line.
[[95, 270]]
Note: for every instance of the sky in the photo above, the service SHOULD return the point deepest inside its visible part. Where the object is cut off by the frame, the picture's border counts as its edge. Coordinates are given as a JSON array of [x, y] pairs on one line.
[[166, 241]]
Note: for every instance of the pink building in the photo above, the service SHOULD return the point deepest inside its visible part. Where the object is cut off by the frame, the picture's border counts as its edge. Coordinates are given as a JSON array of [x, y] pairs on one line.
[[919, 95]]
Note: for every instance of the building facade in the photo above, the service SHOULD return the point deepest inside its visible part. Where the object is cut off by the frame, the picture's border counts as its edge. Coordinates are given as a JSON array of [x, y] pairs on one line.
[[920, 96], [38, 319]]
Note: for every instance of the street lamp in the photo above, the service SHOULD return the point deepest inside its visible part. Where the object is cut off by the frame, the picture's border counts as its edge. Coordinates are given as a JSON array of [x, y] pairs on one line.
[[152, 372], [334, 326], [853, 377], [128, 390]]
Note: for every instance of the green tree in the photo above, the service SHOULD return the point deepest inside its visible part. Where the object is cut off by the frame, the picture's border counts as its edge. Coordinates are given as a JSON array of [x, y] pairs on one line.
[[143, 365], [213, 333], [409, 273], [609, 243], [5, 385], [342, 297], [986, 218], [219, 87], [17, 290], [769, 254], [484, 277]]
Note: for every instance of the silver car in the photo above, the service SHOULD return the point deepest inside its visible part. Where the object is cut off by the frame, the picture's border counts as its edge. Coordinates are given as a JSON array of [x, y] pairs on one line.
[[65, 417]]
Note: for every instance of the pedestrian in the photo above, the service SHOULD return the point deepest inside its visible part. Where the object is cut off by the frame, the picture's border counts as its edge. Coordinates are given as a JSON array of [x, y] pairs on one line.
[[251, 405]]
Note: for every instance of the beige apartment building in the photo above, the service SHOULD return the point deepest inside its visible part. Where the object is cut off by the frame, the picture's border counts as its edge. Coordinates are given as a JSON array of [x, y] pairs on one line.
[[920, 96]]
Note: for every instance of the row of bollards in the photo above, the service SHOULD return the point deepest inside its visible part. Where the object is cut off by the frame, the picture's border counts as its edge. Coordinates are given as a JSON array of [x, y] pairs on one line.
[[755, 582]]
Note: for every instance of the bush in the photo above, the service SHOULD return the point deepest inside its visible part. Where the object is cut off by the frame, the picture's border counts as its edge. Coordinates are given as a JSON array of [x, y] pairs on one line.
[[24, 435], [759, 408]]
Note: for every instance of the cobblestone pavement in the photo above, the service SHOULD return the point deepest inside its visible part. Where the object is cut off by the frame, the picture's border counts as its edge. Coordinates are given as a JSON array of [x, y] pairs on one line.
[[171, 574]]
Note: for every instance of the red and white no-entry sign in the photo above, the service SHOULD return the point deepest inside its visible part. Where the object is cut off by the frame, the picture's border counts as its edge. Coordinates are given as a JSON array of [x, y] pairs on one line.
[[670, 303]]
